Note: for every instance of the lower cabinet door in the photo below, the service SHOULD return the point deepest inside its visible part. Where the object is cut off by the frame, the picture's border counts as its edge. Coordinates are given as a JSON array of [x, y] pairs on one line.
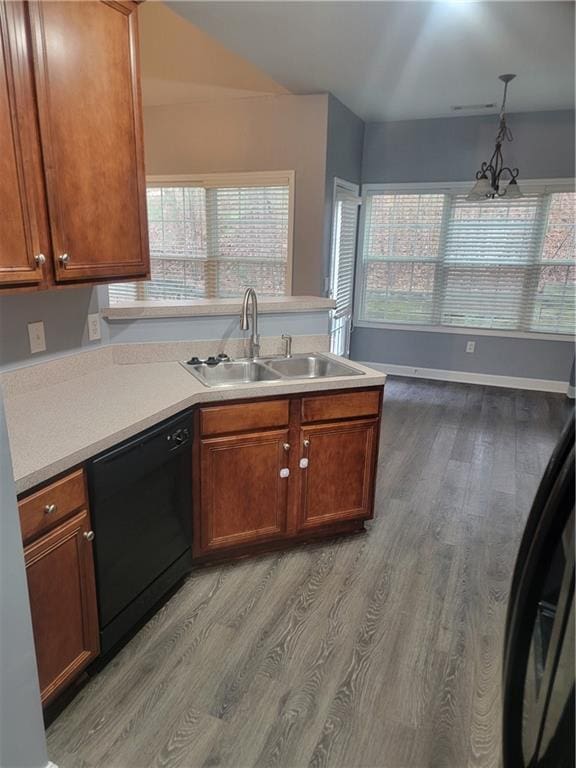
[[60, 571], [244, 489], [337, 472]]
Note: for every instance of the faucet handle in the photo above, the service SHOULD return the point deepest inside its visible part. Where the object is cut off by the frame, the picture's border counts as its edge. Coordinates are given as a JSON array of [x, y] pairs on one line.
[[287, 339]]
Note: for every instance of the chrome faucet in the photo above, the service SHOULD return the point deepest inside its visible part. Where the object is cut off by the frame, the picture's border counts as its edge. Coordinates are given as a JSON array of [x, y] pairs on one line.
[[253, 326]]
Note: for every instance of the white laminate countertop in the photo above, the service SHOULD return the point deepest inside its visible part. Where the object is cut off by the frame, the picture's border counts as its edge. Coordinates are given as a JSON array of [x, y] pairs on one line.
[[56, 427]]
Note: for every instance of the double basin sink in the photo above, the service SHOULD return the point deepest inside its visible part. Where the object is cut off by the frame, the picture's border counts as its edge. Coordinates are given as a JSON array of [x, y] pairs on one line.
[[299, 366]]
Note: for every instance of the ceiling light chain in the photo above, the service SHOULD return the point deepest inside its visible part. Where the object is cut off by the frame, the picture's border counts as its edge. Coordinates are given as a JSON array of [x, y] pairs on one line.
[[490, 178]]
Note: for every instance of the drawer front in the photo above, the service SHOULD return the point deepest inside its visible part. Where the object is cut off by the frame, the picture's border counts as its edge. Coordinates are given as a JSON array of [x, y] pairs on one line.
[[226, 419], [346, 405], [43, 509]]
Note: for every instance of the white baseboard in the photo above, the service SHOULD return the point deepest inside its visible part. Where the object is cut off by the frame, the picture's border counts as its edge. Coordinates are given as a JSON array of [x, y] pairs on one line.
[[465, 377], [571, 391]]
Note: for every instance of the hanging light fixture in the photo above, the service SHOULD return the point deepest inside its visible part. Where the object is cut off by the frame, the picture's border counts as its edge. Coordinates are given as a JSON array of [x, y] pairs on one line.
[[492, 177]]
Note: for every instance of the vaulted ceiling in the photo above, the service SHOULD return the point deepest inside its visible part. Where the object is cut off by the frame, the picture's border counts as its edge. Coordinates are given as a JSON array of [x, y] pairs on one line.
[[402, 60]]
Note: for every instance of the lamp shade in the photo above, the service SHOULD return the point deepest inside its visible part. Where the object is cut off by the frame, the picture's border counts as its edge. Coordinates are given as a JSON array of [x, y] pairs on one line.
[[513, 190], [481, 189]]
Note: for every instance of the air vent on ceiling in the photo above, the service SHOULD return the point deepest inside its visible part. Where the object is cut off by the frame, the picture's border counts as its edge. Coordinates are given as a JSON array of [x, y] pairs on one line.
[[472, 107]]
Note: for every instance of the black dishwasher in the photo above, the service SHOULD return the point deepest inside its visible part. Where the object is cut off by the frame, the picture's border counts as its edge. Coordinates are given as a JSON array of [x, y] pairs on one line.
[[141, 509]]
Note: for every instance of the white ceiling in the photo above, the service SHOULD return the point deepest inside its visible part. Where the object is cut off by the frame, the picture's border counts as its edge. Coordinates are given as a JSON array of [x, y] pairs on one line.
[[403, 60]]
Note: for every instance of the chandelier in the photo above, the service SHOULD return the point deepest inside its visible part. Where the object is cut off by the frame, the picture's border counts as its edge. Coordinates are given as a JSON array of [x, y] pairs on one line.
[[494, 179]]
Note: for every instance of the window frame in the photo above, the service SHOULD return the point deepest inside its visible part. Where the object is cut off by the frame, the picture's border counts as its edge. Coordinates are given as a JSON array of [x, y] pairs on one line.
[[233, 179], [535, 186]]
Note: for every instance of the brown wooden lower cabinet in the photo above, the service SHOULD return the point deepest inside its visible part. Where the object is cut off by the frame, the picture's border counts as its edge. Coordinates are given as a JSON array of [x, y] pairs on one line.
[[61, 586], [266, 484], [337, 481], [244, 488]]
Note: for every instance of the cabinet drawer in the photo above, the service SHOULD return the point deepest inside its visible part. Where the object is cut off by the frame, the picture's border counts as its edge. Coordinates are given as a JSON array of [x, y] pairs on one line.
[[341, 406], [51, 504], [225, 419]]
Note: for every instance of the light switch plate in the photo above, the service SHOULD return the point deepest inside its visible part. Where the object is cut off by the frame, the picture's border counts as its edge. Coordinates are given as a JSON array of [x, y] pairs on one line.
[[470, 347], [94, 332], [37, 337]]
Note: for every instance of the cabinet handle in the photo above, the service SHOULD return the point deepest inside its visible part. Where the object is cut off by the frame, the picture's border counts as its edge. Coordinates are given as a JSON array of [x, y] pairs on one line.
[[286, 446], [284, 472], [64, 259], [40, 259], [303, 464], [49, 509], [89, 535]]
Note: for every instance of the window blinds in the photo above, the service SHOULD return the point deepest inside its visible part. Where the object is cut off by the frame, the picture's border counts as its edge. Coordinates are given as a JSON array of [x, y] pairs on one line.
[[214, 241], [439, 259], [342, 260], [401, 248]]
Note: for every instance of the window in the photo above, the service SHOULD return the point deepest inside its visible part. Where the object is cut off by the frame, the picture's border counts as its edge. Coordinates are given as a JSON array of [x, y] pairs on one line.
[[431, 257], [213, 237]]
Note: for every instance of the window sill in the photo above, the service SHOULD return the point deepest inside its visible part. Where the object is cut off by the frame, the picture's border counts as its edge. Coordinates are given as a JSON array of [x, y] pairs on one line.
[[211, 307], [464, 331]]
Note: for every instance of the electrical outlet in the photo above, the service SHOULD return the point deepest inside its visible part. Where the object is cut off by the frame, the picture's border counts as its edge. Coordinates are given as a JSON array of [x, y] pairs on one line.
[[470, 347], [37, 337], [94, 327]]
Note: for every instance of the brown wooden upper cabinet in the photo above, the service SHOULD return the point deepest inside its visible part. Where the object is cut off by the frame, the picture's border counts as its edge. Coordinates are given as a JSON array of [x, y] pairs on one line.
[[84, 120], [23, 234]]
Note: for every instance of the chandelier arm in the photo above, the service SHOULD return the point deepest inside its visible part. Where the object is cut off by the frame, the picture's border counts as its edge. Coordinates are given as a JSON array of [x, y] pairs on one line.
[[513, 172], [484, 169]]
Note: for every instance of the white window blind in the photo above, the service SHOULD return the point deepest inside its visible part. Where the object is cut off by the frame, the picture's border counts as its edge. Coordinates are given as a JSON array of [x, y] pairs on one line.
[[438, 259], [342, 264], [215, 238]]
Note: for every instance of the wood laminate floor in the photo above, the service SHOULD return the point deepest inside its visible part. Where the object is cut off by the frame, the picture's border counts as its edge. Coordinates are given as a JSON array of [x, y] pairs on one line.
[[380, 650]]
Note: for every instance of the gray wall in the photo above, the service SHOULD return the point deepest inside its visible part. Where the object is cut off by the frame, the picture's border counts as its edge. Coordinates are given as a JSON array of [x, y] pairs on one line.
[[218, 327], [343, 159], [64, 314], [494, 355], [451, 149], [22, 741], [345, 142]]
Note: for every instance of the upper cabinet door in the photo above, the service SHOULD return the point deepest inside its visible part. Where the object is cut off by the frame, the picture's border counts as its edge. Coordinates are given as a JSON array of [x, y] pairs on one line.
[[87, 77], [22, 225]]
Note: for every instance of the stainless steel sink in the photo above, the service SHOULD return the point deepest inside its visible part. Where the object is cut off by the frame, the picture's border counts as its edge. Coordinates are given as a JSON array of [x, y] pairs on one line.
[[230, 374], [300, 366], [312, 366]]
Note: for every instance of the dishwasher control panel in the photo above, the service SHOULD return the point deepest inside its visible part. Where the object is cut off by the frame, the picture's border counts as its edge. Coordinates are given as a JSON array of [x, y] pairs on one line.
[[178, 437]]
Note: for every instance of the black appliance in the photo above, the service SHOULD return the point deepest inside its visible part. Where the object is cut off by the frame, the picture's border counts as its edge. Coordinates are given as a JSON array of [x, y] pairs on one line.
[[141, 509], [538, 684]]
